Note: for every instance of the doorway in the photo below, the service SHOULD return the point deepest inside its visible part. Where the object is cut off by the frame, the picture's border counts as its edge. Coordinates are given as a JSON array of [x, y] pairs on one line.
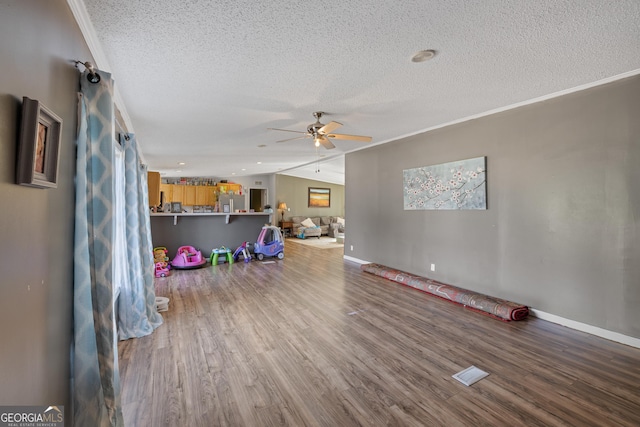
[[257, 199]]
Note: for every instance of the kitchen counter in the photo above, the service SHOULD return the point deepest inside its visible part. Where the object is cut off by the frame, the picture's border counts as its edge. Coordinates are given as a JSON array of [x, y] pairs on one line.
[[206, 231], [226, 215]]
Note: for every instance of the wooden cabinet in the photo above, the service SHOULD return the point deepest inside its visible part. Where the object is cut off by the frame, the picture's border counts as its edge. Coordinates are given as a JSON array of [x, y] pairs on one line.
[[177, 193], [167, 189], [205, 195], [189, 198], [153, 183], [190, 195], [225, 188]]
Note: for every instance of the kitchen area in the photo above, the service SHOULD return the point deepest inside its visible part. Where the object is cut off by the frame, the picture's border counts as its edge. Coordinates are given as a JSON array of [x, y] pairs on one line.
[[204, 213]]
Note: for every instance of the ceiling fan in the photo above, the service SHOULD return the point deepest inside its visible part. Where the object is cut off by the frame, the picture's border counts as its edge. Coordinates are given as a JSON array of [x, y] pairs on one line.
[[321, 133]]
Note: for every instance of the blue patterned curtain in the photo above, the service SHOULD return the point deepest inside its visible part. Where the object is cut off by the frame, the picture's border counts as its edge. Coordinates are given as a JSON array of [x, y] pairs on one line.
[[137, 314], [96, 388]]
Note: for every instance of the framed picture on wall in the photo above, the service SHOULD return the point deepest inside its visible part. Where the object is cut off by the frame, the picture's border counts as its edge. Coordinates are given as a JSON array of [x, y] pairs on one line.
[[39, 146], [319, 197]]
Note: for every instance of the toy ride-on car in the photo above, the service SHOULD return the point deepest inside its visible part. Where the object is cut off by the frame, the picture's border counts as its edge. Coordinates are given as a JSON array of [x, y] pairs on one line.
[[270, 243], [188, 258], [162, 269]]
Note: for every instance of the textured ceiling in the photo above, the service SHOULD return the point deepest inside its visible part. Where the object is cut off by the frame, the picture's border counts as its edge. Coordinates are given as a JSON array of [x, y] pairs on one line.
[[201, 81]]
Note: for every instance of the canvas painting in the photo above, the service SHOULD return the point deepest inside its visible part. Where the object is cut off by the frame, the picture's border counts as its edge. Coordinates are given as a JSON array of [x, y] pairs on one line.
[[455, 185], [319, 197]]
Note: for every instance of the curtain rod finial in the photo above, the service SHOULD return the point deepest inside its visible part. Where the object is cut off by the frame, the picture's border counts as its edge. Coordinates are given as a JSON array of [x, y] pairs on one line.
[[93, 76]]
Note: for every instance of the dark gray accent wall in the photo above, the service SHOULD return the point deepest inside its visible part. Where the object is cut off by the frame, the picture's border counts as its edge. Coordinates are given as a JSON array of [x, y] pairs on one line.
[[562, 229], [38, 40], [294, 191], [205, 232]]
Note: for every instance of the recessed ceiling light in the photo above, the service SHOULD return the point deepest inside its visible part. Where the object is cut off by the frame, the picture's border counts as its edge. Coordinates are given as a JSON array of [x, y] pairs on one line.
[[181, 163], [423, 55], [233, 173], [259, 163]]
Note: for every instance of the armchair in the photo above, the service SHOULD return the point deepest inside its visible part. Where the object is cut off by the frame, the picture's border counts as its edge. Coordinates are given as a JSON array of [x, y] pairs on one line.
[[335, 229]]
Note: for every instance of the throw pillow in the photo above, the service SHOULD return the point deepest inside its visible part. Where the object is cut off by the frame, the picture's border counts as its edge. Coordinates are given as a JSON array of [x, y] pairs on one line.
[[308, 223], [340, 220]]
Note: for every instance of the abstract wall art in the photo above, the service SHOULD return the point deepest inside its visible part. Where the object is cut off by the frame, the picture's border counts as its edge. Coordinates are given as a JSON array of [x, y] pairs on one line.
[[319, 197], [447, 186]]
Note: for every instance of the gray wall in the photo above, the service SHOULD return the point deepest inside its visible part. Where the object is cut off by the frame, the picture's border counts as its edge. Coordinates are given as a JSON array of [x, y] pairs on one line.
[[37, 41], [295, 191], [205, 232], [562, 229]]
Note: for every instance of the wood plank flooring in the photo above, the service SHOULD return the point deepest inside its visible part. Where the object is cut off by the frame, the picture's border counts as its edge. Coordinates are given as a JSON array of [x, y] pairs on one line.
[[312, 341]]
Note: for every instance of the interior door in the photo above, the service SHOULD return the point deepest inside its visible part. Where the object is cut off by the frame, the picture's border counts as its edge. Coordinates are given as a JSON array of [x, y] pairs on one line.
[[257, 199]]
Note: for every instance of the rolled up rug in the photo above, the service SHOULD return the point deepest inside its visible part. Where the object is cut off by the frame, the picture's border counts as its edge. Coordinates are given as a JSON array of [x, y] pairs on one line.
[[497, 307]]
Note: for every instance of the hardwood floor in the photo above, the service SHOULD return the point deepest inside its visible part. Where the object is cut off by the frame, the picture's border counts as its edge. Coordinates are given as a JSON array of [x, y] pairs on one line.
[[312, 341]]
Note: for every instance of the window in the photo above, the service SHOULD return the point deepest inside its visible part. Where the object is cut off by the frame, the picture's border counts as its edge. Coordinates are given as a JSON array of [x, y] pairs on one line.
[[120, 270]]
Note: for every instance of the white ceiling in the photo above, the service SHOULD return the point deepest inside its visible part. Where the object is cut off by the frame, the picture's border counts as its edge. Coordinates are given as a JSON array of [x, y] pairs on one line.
[[201, 81]]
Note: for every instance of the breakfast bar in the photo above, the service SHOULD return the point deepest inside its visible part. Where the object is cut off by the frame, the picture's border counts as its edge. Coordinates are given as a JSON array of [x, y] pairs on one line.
[[206, 231]]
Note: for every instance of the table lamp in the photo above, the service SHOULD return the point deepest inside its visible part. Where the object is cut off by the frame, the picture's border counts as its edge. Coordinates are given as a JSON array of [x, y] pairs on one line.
[[283, 207]]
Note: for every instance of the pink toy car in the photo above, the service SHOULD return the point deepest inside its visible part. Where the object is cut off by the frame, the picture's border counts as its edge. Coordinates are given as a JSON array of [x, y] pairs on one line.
[[187, 258], [162, 269]]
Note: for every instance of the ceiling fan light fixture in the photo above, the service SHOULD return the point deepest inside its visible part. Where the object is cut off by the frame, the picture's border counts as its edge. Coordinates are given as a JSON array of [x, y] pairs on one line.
[[321, 134], [423, 55]]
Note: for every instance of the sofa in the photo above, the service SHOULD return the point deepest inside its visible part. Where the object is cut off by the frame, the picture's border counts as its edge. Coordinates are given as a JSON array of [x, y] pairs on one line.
[[322, 226]]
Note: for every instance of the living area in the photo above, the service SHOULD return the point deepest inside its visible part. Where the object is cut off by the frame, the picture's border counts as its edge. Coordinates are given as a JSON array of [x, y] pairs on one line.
[[310, 212]]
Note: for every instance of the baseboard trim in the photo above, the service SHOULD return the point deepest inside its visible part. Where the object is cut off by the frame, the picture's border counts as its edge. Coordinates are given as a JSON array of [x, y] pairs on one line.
[[359, 261], [583, 327], [578, 326]]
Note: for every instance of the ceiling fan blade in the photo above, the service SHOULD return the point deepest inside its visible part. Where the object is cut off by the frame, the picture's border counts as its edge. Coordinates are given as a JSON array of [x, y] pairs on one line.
[[324, 141], [286, 130], [291, 139], [329, 127], [351, 137]]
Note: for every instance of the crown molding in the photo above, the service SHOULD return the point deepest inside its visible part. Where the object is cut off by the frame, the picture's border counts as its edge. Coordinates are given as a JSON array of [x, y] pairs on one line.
[[513, 106]]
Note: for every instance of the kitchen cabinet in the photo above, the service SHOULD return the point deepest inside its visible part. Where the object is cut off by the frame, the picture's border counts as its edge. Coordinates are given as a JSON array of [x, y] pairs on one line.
[[189, 198], [226, 187], [153, 184], [205, 195], [177, 193], [191, 195], [167, 189]]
